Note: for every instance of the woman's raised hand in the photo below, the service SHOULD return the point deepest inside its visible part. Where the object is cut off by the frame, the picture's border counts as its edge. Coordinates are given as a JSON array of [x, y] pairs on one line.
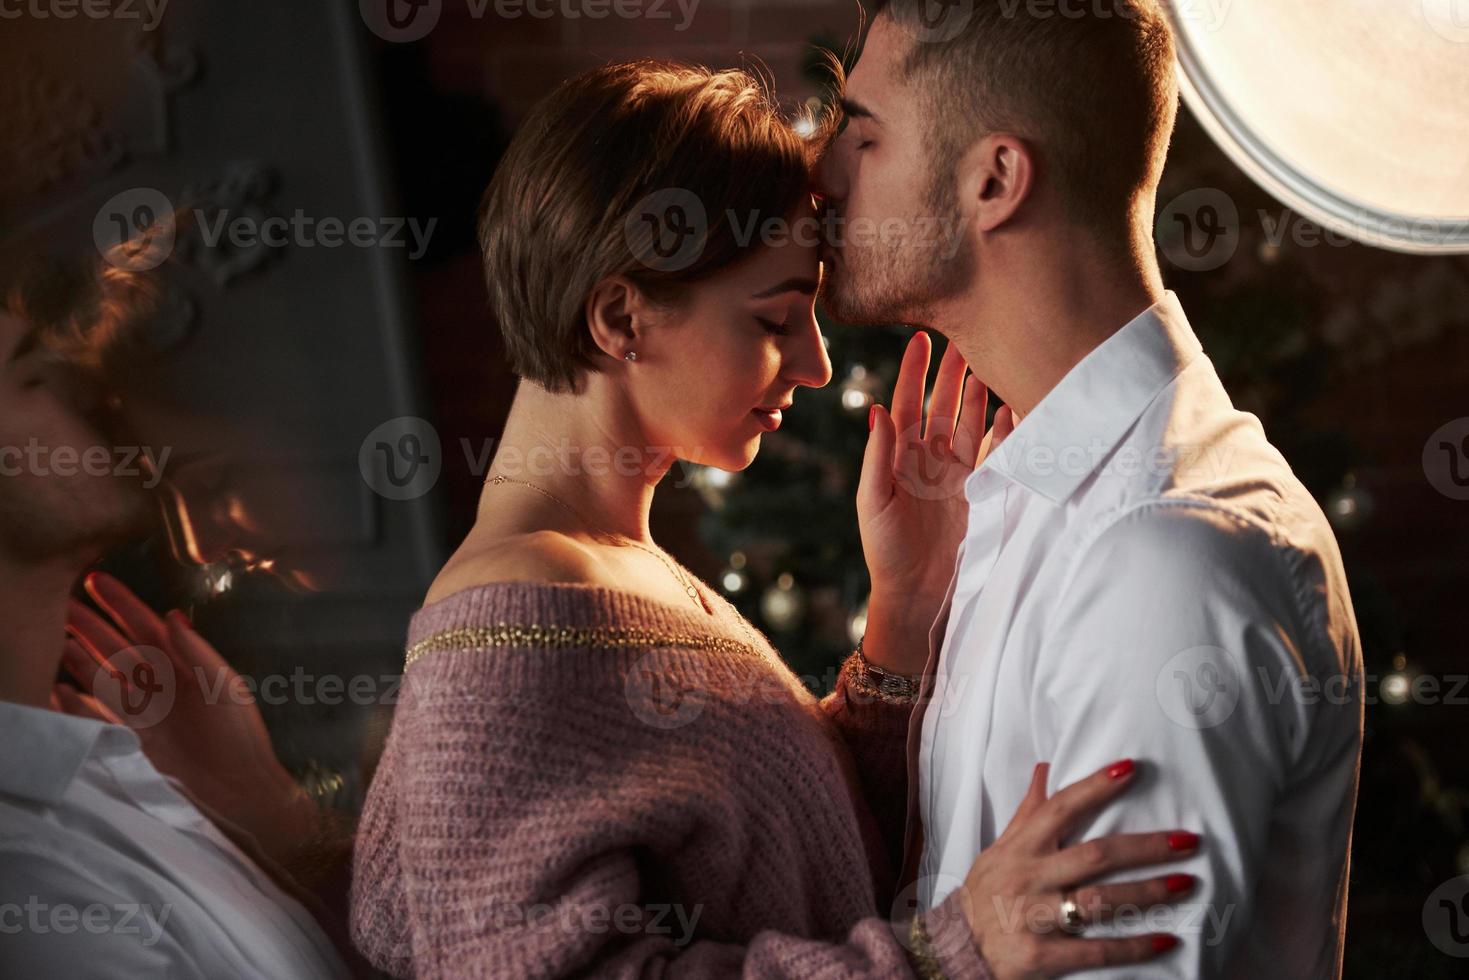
[[195, 717], [911, 508]]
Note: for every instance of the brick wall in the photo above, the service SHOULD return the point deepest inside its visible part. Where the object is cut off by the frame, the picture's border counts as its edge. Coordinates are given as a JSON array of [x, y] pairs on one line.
[[515, 60]]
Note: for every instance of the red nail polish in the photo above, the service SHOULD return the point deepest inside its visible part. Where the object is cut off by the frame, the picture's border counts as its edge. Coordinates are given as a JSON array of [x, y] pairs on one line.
[[871, 415], [1178, 883], [1183, 841], [1163, 942], [1119, 769]]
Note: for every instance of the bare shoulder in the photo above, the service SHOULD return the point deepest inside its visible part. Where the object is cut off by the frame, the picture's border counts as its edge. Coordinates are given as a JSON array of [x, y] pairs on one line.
[[534, 556]]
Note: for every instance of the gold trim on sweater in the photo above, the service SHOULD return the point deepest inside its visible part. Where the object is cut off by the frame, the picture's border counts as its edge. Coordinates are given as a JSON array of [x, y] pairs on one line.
[[920, 952], [508, 634]]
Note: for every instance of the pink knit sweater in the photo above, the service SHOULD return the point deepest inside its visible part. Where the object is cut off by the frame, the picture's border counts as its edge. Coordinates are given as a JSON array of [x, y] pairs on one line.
[[582, 780]]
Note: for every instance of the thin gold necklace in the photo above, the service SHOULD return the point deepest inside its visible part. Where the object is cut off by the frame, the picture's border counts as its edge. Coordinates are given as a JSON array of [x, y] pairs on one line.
[[688, 586]]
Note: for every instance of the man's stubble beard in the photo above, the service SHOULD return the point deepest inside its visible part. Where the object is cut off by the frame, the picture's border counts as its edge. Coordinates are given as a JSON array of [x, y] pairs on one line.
[[874, 285], [45, 527]]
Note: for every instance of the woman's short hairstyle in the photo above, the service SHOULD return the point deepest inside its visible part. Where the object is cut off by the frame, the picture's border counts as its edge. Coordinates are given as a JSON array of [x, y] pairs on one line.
[[651, 170]]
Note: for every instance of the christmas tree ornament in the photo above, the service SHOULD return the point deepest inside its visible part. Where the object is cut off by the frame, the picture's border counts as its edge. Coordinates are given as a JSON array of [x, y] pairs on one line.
[[734, 579], [712, 483], [783, 605], [859, 390], [1348, 506], [857, 624], [1397, 687]]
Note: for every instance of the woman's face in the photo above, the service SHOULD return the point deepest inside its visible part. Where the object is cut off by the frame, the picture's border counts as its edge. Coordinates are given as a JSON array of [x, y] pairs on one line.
[[742, 340]]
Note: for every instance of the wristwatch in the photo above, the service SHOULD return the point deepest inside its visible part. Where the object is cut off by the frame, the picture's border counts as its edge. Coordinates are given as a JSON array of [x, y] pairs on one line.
[[883, 684]]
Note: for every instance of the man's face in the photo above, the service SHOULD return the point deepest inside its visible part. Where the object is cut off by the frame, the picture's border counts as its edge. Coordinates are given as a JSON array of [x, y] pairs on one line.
[[891, 253], [63, 489]]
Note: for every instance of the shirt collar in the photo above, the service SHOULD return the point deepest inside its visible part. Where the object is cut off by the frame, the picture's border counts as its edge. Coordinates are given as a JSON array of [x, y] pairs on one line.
[[1082, 419], [42, 750]]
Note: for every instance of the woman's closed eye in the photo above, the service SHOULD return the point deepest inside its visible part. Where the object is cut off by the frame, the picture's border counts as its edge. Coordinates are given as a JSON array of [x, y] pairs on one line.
[[771, 327]]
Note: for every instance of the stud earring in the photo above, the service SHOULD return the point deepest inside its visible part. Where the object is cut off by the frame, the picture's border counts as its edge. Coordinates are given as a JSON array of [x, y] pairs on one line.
[[631, 355]]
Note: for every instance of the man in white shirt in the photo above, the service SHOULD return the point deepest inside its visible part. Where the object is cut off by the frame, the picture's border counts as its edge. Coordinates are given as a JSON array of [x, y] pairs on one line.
[[110, 871], [107, 868], [1142, 576]]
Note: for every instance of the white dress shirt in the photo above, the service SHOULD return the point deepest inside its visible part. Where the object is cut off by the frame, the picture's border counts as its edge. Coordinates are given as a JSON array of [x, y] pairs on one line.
[[1143, 576], [107, 871]]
